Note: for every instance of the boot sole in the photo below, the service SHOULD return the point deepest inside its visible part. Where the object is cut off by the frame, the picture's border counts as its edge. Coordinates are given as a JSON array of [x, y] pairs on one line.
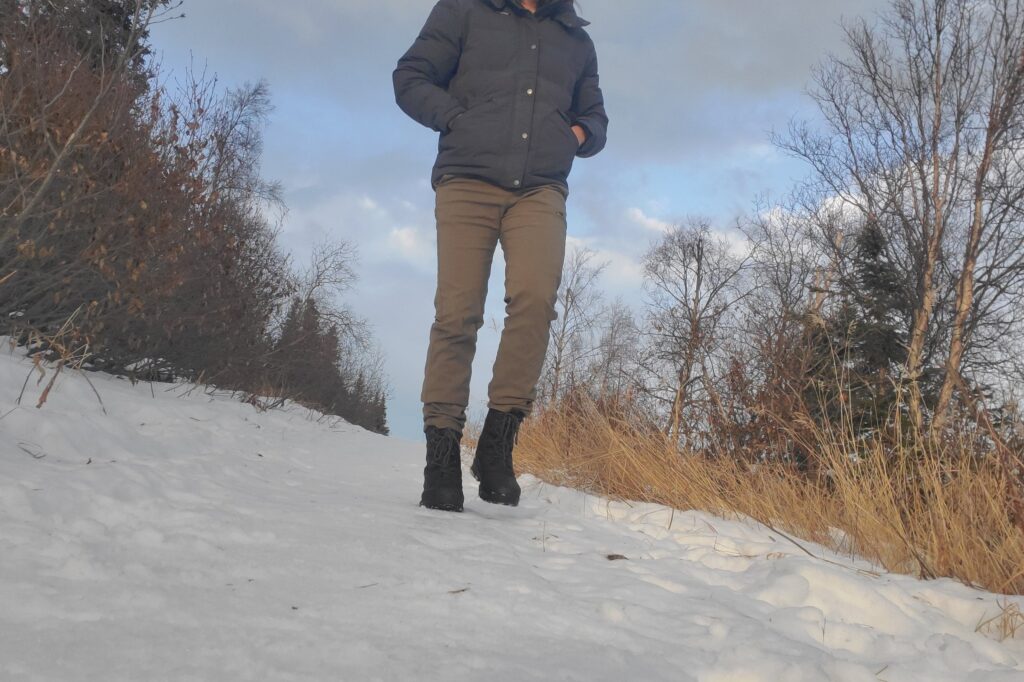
[[443, 500], [443, 507], [495, 498]]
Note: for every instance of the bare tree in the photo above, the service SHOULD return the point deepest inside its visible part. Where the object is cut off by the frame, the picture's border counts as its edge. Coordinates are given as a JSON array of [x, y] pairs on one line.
[[134, 222], [572, 345], [693, 281], [993, 157], [330, 275], [612, 370], [790, 273], [111, 71], [902, 146]]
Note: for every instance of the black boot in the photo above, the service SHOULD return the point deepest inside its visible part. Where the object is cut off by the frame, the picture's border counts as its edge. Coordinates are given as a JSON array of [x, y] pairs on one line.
[[492, 465], [442, 478]]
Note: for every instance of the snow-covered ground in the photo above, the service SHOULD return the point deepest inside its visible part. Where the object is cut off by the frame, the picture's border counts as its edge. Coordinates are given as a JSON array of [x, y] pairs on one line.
[[181, 536]]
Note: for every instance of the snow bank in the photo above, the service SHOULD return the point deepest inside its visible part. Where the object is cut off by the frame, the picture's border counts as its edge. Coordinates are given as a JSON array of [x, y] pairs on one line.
[[184, 536]]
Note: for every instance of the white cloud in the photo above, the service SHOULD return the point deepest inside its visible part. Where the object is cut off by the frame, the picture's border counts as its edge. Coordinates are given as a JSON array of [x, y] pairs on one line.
[[413, 245], [624, 273], [388, 232], [647, 222], [738, 244]]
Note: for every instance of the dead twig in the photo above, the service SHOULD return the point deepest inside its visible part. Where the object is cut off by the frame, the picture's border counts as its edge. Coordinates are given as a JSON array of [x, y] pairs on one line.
[[46, 391], [95, 392]]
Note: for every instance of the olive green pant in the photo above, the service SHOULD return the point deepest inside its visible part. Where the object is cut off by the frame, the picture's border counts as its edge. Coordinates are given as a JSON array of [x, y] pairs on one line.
[[473, 217]]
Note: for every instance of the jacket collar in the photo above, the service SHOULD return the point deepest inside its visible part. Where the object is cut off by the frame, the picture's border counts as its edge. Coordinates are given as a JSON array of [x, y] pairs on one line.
[[563, 13]]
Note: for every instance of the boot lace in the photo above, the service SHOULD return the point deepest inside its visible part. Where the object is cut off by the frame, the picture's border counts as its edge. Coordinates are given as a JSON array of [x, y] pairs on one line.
[[443, 447], [507, 437]]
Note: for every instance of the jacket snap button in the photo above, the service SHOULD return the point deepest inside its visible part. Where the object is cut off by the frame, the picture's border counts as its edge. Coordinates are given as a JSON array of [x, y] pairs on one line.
[[516, 183], [526, 135], [529, 91]]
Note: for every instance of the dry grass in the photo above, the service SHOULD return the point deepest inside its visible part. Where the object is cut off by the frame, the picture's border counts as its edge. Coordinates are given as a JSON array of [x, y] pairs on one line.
[[1008, 624], [52, 353], [929, 516]]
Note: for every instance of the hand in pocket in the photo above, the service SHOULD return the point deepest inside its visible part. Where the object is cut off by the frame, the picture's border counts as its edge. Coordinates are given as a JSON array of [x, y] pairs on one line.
[[580, 133]]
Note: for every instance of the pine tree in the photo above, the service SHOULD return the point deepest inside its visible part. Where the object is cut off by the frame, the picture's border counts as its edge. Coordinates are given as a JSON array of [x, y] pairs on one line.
[[858, 348], [102, 30], [307, 357], [877, 344]]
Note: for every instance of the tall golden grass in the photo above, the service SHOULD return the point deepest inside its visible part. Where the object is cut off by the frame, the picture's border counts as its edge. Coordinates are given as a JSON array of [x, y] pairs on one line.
[[931, 514]]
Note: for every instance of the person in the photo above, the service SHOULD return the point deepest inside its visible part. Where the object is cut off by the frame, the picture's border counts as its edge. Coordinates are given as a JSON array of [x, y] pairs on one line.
[[512, 87]]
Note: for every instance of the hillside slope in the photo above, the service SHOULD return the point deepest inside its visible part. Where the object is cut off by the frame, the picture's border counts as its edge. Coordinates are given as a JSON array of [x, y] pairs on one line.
[[184, 536]]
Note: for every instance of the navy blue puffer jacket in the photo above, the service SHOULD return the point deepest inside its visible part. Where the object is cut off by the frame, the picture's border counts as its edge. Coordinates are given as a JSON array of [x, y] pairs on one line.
[[503, 87]]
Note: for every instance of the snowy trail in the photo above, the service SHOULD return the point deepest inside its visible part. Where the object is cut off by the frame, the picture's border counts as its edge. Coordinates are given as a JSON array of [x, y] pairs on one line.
[[208, 541]]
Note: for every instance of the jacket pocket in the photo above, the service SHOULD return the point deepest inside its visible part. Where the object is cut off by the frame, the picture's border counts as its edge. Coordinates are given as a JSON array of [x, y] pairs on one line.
[[572, 136], [472, 135], [471, 108], [557, 144]]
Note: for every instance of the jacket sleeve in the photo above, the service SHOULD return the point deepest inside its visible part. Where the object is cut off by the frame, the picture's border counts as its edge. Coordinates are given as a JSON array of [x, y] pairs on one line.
[[424, 71], [588, 109]]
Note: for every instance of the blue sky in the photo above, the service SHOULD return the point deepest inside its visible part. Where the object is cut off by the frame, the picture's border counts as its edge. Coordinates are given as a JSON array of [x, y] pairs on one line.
[[693, 90]]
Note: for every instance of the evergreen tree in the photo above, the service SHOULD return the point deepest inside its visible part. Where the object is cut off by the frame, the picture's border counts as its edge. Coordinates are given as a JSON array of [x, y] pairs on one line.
[[101, 30], [858, 348], [308, 359]]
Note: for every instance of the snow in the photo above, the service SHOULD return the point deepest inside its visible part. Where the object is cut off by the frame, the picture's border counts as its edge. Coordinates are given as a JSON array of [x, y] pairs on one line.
[[209, 541]]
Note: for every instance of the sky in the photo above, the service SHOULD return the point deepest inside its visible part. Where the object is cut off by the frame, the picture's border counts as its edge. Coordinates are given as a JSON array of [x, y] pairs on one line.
[[693, 88]]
